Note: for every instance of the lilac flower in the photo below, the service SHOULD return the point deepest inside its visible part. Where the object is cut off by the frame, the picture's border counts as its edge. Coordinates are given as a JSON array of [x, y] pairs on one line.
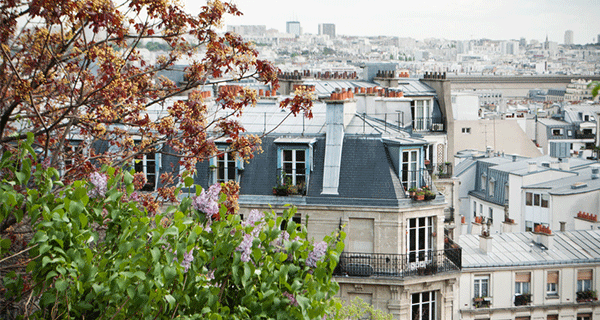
[[246, 247], [253, 218], [187, 260], [99, 181], [208, 201], [290, 297], [318, 252]]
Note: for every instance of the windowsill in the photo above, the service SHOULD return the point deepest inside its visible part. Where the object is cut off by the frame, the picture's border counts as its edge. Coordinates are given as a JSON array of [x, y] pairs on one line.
[[552, 296]]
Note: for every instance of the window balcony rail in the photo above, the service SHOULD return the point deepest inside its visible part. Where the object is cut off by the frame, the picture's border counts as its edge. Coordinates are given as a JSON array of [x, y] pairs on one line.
[[584, 135], [290, 182], [354, 264], [587, 296], [482, 302], [443, 170], [415, 179], [522, 299]]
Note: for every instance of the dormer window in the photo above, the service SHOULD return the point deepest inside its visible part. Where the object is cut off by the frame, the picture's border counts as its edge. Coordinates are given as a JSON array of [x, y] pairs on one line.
[[146, 163], [293, 166], [225, 167], [483, 181]]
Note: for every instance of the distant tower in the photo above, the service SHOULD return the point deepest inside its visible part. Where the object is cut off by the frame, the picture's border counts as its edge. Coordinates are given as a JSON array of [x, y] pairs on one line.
[[569, 37], [328, 29], [599, 38], [546, 43], [293, 27]]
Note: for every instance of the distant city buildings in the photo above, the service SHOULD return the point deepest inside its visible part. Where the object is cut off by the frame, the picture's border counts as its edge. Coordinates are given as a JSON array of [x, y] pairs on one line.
[[248, 30], [293, 27], [327, 29], [568, 37]]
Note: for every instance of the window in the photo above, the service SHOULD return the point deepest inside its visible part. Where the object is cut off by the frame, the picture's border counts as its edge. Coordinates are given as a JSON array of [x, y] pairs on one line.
[[491, 187], [557, 132], [506, 193], [536, 199], [421, 115], [410, 173], [552, 283], [420, 239], [528, 199], [522, 283], [481, 209], [570, 134], [481, 286], [146, 163], [584, 316], [226, 169], [545, 199], [423, 306], [491, 215], [297, 219], [294, 167], [466, 130], [483, 181], [584, 280], [474, 209]]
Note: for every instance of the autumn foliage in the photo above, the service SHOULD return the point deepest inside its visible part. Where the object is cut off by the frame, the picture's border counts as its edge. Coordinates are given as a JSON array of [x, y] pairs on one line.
[[72, 70]]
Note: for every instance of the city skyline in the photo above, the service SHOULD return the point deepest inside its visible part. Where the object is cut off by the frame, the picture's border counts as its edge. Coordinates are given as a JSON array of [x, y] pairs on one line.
[[457, 20]]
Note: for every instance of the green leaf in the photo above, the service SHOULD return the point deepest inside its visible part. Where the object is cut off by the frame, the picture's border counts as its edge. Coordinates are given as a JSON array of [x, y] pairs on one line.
[[5, 244], [61, 285], [170, 300], [83, 219]]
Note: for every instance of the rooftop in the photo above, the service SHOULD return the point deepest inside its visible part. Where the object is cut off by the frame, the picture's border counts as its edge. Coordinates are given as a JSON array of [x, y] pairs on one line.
[[523, 249]]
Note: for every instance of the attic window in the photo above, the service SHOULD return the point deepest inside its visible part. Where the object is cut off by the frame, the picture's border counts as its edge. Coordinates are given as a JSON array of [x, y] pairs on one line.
[[557, 132]]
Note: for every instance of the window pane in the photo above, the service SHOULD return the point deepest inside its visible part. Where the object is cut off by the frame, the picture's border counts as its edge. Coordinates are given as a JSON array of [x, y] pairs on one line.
[[287, 155], [528, 198], [300, 156], [545, 199], [536, 199]]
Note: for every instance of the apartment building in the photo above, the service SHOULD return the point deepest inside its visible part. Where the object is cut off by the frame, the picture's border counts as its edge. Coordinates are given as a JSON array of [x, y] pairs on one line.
[[508, 193], [540, 275], [347, 168]]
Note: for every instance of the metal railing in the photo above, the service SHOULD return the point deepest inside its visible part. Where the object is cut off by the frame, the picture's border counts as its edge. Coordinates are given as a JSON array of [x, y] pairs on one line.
[[290, 182], [398, 265], [415, 178]]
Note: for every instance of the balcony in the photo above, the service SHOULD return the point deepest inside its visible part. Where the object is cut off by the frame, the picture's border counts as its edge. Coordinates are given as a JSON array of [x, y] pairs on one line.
[[587, 296], [354, 264], [482, 302], [584, 134]]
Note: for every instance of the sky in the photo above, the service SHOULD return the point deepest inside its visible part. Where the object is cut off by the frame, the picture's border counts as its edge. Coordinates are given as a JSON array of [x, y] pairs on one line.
[[450, 19]]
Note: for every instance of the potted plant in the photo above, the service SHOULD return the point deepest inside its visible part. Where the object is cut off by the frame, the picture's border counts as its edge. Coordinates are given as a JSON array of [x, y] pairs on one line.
[[522, 299], [420, 195], [429, 195], [587, 296], [412, 191]]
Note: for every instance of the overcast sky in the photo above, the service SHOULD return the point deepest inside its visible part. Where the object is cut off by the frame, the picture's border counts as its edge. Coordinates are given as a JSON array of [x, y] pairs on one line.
[[449, 19]]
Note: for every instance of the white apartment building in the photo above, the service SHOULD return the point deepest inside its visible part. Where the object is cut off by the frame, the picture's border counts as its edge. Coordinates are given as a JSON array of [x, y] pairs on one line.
[[530, 276]]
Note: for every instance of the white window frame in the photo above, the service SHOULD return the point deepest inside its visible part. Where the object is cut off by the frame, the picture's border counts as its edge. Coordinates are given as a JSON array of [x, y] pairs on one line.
[[141, 164], [552, 287], [423, 228], [294, 165], [426, 309], [223, 163], [410, 173], [478, 285]]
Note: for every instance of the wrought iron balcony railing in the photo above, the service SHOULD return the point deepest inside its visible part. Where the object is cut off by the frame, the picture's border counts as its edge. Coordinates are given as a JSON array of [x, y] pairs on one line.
[[398, 265]]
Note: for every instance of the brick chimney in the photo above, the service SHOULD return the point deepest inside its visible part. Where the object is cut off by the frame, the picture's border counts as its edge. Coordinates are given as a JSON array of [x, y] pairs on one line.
[[340, 109]]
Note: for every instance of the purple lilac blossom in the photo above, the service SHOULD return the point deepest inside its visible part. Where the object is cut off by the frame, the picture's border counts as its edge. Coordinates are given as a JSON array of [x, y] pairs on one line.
[[187, 260], [208, 201], [99, 181], [318, 252], [290, 296], [246, 247]]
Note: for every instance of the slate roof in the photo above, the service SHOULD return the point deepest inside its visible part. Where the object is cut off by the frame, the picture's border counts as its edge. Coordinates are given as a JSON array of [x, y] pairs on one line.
[[523, 249]]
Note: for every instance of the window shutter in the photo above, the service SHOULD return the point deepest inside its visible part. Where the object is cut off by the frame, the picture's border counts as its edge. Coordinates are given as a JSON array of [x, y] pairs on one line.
[[584, 274], [523, 277], [553, 277]]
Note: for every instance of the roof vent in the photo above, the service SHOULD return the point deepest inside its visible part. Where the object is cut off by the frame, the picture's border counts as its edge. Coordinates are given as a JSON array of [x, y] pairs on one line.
[[546, 164], [579, 185], [595, 173]]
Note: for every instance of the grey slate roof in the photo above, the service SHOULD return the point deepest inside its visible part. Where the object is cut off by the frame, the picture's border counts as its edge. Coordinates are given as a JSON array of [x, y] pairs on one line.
[[514, 250]]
